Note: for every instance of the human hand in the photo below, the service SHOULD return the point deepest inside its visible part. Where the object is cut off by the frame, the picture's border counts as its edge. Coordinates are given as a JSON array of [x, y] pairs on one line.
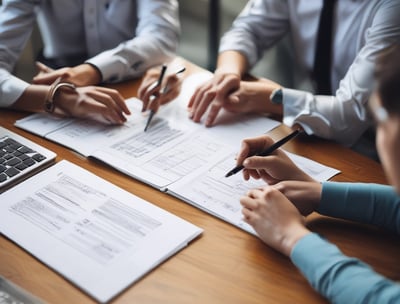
[[97, 103], [275, 219], [213, 94], [253, 97], [80, 75], [154, 94], [305, 195], [273, 168]]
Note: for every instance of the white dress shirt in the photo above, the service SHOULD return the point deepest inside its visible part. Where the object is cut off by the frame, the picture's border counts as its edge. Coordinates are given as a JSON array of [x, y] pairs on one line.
[[362, 28], [122, 38]]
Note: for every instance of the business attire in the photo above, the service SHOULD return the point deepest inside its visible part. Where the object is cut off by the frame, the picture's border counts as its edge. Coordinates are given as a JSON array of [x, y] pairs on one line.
[[343, 279], [121, 38], [361, 28]]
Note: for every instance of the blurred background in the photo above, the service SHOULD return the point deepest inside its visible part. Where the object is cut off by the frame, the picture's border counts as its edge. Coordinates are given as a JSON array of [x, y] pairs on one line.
[[203, 22]]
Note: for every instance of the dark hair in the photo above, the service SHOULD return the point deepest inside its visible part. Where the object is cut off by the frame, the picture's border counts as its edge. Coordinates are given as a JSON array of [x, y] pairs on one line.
[[387, 75]]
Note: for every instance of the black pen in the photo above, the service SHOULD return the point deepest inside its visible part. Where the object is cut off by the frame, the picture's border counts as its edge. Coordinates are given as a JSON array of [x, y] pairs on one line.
[[158, 83], [267, 151], [165, 90]]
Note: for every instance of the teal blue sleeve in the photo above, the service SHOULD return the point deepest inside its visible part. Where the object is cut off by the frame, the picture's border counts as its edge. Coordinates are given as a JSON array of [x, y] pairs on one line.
[[373, 204], [339, 278]]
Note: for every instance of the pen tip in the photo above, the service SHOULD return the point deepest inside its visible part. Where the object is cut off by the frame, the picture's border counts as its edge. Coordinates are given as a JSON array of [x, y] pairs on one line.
[[228, 174]]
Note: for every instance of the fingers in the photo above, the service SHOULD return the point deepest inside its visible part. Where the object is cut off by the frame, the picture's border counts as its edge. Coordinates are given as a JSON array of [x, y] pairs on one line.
[[243, 153], [251, 146], [43, 68], [172, 88], [154, 103], [154, 95], [114, 110], [116, 97], [197, 94], [149, 90], [98, 103], [212, 96], [250, 204], [213, 112], [259, 162], [199, 102], [50, 77]]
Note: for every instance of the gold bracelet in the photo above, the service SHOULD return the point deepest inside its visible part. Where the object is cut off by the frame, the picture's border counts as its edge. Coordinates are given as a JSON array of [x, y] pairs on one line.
[[49, 103]]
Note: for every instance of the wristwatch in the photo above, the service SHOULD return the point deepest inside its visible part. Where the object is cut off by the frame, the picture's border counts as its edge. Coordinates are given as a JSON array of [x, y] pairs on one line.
[[276, 96]]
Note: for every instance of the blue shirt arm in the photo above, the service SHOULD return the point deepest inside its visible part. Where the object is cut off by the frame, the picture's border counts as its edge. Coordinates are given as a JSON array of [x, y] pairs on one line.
[[373, 204], [339, 278]]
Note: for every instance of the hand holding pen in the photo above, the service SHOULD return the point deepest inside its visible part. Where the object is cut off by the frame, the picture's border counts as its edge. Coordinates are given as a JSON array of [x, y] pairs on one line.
[[154, 93], [260, 157]]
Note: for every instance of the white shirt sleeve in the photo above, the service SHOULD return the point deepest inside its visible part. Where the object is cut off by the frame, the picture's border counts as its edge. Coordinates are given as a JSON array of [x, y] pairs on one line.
[[156, 41], [259, 26], [11, 88], [344, 117], [13, 37]]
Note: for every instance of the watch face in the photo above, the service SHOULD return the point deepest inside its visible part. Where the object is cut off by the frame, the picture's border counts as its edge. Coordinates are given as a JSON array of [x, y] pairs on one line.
[[276, 96]]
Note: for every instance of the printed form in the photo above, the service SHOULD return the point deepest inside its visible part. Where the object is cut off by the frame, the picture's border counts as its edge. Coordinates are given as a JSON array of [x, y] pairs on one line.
[[101, 240], [176, 155], [171, 147], [212, 192]]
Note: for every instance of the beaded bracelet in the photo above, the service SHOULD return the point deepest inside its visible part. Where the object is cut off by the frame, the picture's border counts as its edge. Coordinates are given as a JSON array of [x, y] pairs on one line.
[[49, 103]]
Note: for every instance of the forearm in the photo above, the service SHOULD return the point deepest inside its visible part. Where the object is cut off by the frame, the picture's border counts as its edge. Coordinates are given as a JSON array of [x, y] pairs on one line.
[[257, 93], [32, 99], [373, 204], [232, 62], [339, 278]]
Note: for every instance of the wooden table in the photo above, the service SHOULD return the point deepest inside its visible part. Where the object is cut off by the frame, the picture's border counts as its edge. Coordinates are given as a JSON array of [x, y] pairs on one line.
[[226, 264]]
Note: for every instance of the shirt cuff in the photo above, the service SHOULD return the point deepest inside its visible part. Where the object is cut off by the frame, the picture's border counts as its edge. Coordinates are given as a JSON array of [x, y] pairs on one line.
[[299, 108], [110, 67], [11, 89]]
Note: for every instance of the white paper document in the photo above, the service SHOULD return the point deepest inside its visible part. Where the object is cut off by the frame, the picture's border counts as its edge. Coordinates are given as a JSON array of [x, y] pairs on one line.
[[175, 155], [172, 146], [212, 192], [97, 235]]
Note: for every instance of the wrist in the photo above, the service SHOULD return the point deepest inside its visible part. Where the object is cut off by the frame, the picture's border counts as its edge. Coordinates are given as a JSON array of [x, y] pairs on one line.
[[86, 74], [228, 71], [292, 237], [257, 95], [53, 92]]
